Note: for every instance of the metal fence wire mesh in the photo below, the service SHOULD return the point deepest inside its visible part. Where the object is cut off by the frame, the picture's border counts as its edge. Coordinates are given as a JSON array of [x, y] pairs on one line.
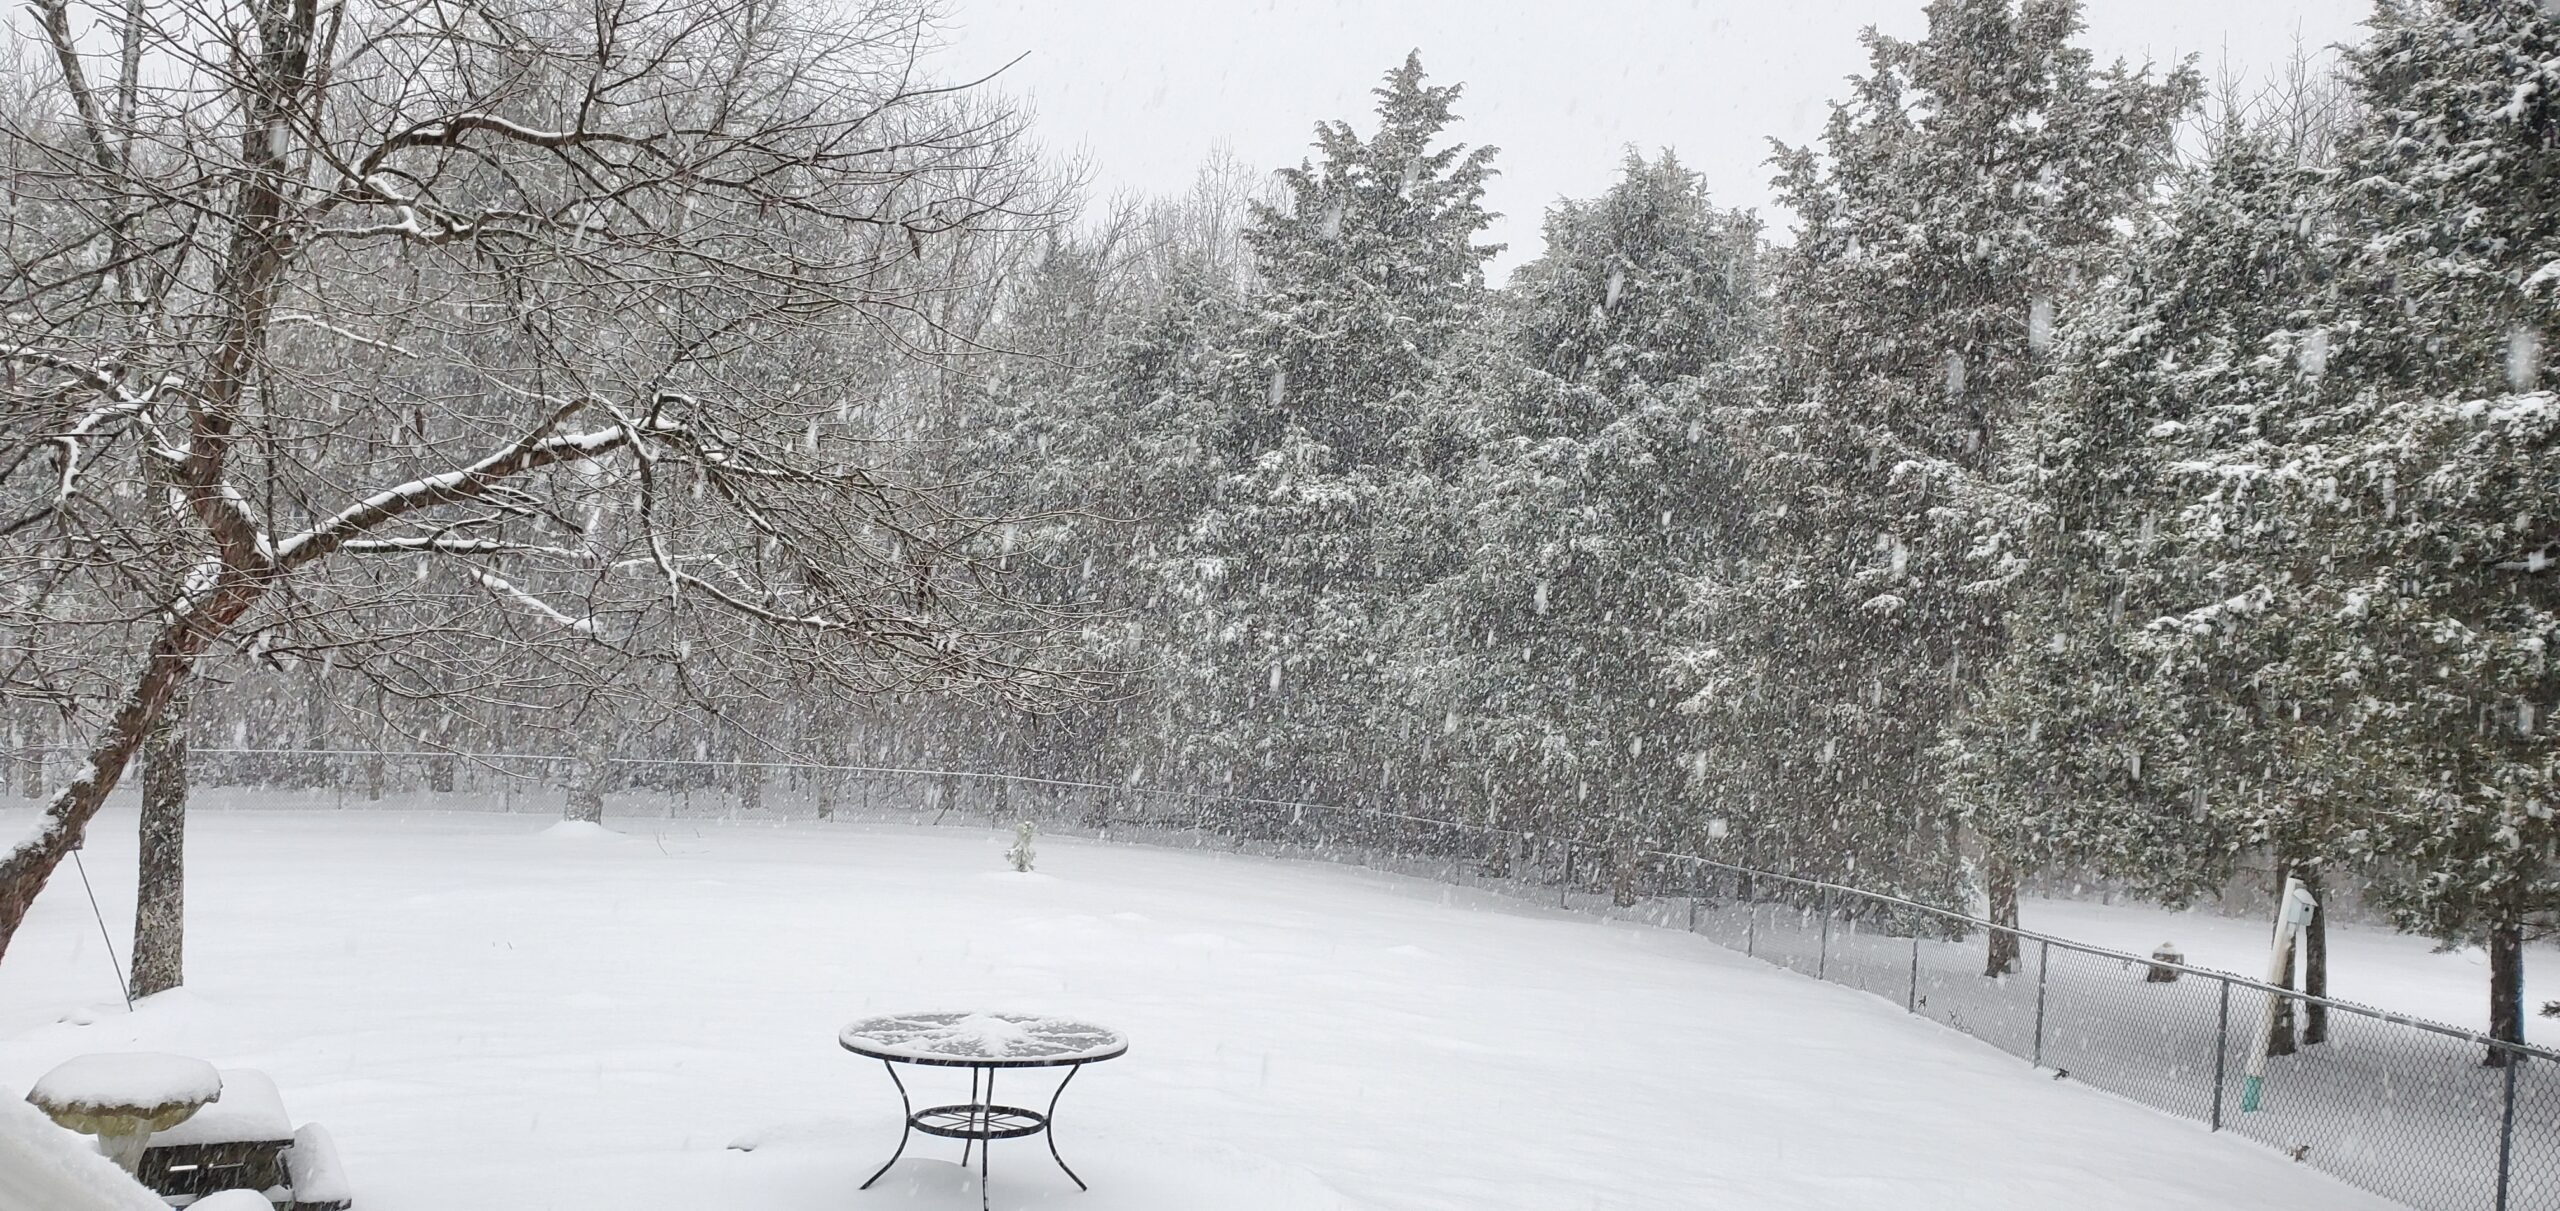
[[2410, 1110]]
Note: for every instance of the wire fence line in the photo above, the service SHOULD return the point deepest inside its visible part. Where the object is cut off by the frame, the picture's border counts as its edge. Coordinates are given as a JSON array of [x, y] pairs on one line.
[[2400, 1106]]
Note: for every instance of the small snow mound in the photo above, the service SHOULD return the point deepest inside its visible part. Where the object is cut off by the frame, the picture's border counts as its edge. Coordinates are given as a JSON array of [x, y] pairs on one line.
[[126, 1080], [234, 1200], [748, 1140], [579, 830]]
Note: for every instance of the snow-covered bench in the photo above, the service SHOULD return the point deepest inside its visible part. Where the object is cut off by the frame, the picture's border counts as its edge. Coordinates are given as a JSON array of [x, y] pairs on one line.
[[245, 1141]]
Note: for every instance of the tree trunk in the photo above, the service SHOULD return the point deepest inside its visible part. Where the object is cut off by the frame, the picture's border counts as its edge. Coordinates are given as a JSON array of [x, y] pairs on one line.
[[1625, 896], [2315, 964], [24, 870], [441, 767], [2000, 950], [2506, 987], [31, 753], [245, 298], [2280, 1015], [587, 782], [317, 770], [160, 907], [373, 760], [1498, 855]]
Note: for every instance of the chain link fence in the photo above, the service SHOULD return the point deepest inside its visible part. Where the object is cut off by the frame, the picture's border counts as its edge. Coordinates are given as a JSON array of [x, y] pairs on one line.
[[2433, 1116]]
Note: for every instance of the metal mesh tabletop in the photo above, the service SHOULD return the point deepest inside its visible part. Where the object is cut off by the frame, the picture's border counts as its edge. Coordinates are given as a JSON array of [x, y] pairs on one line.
[[979, 1039]]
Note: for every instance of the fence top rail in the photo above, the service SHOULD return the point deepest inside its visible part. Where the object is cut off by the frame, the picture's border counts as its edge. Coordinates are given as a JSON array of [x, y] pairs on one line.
[[2225, 977], [1880, 898], [908, 770]]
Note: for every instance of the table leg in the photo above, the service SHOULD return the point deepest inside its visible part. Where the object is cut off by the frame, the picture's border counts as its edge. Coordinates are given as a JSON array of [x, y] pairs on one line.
[[906, 1122], [965, 1142], [1051, 1131], [986, 1151]]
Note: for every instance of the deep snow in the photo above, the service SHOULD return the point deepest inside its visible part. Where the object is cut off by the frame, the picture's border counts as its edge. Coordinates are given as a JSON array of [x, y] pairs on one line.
[[491, 1014]]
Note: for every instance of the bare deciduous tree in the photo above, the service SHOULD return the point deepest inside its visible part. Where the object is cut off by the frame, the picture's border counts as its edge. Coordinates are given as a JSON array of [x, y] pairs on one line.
[[440, 341]]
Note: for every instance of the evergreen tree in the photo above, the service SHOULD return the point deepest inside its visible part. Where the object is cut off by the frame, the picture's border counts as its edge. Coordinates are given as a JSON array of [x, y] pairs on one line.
[[1595, 484], [2146, 719], [1958, 198], [2430, 475], [1104, 424], [1291, 581]]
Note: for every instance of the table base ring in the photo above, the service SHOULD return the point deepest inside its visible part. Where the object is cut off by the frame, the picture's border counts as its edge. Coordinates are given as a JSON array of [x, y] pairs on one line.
[[979, 1122]]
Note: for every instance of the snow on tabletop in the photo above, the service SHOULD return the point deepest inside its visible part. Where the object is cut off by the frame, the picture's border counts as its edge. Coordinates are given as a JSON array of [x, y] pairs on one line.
[[1014, 1037], [132, 1080], [47, 1168], [250, 1111]]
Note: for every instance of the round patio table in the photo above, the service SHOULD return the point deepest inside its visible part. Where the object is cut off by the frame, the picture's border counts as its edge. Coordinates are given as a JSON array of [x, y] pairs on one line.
[[984, 1043]]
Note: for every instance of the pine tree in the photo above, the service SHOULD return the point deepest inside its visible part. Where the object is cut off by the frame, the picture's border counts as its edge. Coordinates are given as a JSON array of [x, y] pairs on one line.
[[1595, 485], [1959, 194], [1371, 271], [2431, 478], [1291, 581], [2146, 720]]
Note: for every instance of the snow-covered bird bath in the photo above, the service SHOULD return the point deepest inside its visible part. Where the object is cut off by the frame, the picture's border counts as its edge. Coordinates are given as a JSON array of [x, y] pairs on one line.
[[123, 1097]]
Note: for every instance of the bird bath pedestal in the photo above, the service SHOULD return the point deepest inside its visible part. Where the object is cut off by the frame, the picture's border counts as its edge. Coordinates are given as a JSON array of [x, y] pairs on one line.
[[123, 1098]]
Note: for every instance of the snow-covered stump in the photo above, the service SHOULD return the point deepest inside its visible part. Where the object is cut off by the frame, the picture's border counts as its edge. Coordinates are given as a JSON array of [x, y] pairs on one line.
[[2158, 972]]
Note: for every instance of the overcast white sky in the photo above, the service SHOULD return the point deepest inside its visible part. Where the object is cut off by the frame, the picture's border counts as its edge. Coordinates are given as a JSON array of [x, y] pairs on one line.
[[1146, 89]]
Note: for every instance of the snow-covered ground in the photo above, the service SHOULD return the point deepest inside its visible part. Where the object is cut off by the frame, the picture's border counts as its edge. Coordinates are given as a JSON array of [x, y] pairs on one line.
[[2368, 964], [496, 1014]]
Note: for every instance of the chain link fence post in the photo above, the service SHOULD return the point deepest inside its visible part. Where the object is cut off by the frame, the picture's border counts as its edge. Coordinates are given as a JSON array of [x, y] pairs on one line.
[[1750, 928], [2507, 1127], [2044, 964], [1822, 908], [2221, 1053], [1911, 1002]]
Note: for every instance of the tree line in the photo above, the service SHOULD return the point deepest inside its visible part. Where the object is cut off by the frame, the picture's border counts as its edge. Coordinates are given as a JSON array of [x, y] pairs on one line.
[[2103, 473]]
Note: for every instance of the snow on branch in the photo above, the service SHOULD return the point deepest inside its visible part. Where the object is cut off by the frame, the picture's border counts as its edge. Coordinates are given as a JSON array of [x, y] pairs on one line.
[[117, 404], [448, 544], [2536, 561], [292, 317], [538, 448], [507, 590]]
